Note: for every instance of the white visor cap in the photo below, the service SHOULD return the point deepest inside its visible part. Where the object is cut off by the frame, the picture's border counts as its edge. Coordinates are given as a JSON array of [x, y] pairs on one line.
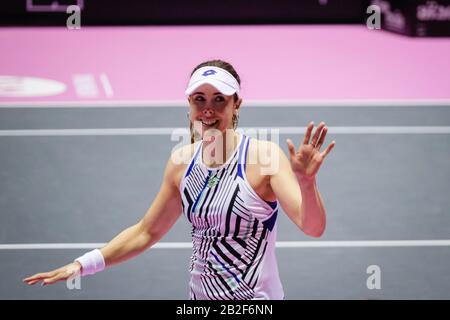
[[219, 78]]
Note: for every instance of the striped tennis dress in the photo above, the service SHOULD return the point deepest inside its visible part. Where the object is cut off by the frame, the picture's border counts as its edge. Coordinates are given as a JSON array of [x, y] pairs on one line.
[[233, 231]]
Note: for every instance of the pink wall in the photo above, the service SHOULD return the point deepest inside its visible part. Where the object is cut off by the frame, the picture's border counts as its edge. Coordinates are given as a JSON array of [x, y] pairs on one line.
[[275, 62]]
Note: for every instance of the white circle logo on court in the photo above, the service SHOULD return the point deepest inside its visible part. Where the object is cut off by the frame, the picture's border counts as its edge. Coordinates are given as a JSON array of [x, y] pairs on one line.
[[12, 86]]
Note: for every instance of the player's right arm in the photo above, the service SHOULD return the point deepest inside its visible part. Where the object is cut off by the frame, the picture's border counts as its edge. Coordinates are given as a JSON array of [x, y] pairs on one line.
[[159, 218]]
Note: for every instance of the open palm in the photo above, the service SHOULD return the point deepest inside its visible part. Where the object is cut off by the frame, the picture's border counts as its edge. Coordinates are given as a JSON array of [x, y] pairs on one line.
[[306, 161]]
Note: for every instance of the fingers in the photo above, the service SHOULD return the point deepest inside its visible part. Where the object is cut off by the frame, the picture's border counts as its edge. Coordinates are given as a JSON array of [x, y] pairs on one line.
[[31, 278], [291, 147], [33, 282], [308, 132], [38, 277], [328, 149], [46, 278], [322, 137], [58, 277], [316, 136]]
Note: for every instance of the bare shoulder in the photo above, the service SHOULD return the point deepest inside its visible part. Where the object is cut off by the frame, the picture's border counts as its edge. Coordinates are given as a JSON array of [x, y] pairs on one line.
[[179, 160], [263, 144], [264, 156], [183, 153], [261, 151]]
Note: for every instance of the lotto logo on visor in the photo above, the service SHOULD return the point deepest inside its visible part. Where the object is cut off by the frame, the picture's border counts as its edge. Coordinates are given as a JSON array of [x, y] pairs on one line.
[[219, 78], [209, 72]]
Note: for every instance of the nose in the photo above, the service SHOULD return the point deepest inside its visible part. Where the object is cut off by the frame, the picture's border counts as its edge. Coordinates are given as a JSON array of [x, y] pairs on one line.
[[208, 112]]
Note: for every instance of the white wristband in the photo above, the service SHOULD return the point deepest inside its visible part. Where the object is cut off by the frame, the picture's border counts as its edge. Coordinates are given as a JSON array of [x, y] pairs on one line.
[[91, 262]]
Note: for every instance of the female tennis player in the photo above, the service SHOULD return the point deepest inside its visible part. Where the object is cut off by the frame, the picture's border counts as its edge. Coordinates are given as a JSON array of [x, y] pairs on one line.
[[219, 183]]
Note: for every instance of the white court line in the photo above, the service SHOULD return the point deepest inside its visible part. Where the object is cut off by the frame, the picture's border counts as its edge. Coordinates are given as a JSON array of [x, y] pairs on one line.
[[247, 130], [106, 85], [279, 244], [246, 103]]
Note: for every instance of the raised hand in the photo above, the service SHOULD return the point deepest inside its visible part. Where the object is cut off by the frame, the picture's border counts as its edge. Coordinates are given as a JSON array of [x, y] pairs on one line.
[[306, 161]]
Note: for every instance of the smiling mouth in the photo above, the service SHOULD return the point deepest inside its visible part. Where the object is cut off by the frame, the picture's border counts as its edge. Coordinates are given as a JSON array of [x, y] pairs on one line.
[[209, 123]]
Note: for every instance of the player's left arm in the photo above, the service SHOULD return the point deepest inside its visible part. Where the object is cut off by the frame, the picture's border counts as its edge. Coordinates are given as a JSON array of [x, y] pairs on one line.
[[294, 181]]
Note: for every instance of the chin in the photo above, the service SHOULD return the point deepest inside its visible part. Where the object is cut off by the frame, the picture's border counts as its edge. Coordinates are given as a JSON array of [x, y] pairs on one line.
[[222, 131]]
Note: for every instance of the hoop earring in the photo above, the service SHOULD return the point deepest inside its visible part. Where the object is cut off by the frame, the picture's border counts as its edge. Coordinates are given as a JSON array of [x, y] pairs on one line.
[[235, 120], [191, 127], [191, 130]]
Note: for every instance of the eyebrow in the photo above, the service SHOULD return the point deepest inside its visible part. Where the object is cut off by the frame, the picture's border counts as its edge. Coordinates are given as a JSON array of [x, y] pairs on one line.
[[199, 92]]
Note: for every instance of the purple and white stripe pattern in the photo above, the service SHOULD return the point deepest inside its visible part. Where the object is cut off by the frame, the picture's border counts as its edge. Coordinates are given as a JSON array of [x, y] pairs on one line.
[[233, 231]]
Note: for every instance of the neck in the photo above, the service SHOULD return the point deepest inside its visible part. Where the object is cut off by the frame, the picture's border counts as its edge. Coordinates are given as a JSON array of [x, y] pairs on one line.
[[217, 149]]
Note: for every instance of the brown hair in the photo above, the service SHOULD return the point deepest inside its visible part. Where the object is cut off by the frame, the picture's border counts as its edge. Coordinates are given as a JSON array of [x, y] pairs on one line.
[[220, 64]]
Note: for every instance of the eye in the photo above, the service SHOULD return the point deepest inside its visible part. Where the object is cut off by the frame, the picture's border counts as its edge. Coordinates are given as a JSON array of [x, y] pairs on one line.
[[199, 98], [220, 99]]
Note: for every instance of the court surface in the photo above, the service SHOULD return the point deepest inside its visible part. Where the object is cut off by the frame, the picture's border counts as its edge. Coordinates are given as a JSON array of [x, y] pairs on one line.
[[387, 179]]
